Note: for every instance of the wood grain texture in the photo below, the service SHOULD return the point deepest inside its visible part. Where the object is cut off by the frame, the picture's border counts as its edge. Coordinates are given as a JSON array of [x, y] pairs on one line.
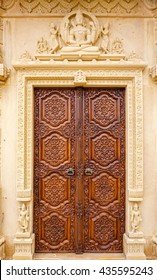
[[79, 128]]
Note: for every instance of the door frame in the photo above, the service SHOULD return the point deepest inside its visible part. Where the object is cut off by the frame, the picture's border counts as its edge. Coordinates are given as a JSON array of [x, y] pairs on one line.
[[109, 74]]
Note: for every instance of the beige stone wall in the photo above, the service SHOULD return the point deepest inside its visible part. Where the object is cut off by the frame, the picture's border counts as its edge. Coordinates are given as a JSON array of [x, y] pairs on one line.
[[21, 33]]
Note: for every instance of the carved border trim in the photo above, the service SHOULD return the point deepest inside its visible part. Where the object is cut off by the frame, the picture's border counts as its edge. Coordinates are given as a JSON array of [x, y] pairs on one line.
[[130, 78]]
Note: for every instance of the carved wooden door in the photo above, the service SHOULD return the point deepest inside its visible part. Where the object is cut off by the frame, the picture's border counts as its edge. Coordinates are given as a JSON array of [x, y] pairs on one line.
[[79, 170]]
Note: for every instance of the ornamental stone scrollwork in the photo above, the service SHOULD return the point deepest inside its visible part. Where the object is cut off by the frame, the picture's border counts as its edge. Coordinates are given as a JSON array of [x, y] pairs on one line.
[[103, 7], [24, 218], [135, 218]]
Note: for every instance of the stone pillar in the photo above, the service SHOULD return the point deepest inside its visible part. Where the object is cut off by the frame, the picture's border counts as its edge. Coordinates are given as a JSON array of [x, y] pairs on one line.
[[3, 77], [24, 240], [2, 239], [133, 238]]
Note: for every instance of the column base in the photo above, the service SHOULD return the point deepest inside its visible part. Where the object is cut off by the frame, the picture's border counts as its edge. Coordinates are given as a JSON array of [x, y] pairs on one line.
[[24, 248], [134, 248], [2, 248], [155, 245]]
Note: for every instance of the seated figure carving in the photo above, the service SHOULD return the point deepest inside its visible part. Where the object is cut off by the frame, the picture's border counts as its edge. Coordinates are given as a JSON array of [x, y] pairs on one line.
[[79, 36]]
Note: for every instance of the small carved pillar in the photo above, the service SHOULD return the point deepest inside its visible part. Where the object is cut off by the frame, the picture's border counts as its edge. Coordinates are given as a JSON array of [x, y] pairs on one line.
[[24, 241], [133, 238], [2, 239], [3, 77]]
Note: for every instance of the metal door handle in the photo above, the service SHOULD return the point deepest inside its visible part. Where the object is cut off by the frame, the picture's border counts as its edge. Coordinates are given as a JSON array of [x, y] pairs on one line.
[[88, 171], [70, 171]]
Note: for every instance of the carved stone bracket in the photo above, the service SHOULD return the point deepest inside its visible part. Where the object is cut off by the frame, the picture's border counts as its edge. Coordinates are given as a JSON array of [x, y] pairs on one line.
[[4, 73], [153, 72]]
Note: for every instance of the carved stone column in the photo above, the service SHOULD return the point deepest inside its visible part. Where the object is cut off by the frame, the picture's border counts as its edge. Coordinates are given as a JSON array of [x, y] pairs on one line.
[[153, 74], [24, 240], [133, 240], [3, 77]]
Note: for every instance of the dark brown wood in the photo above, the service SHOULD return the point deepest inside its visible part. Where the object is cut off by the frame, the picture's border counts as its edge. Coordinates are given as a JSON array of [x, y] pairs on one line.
[[104, 154], [83, 129], [54, 190]]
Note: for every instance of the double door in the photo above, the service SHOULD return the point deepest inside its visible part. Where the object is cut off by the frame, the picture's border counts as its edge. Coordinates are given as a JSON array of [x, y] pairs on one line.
[[79, 169]]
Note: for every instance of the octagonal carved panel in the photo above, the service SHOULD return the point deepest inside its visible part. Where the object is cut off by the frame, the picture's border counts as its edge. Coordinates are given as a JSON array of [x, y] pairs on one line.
[[104, 149], [54, 189], [104, 189], [55, 110], [55, 149], [104, 109], [104, 229], [54, 229]]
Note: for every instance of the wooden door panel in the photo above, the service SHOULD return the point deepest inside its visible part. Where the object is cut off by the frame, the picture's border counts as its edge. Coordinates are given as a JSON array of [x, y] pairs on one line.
[[83, 129], [104, 190], [54, 191]]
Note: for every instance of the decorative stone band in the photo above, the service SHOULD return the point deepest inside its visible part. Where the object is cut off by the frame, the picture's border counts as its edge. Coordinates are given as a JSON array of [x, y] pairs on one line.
[[126, 74]]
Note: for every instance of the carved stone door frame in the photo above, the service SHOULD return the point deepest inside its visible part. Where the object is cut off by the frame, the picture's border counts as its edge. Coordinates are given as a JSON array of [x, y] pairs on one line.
[[88, 74]]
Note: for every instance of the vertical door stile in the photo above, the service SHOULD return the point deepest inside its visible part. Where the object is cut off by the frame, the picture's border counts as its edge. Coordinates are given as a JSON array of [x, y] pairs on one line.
[[79, 171]]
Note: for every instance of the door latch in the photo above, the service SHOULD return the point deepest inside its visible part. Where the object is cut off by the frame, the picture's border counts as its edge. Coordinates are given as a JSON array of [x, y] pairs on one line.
[[88, 171], [70, 171]]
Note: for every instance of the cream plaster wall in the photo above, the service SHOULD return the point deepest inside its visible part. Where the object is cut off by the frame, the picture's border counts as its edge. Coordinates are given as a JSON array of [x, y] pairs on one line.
[[20, 34]]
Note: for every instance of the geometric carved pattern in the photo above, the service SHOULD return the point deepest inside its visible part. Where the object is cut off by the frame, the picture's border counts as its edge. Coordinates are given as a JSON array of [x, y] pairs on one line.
[[54, 230], [55, 149], [104, 189], [63, 142], [104, 229], [104, 149], [55, 110], [54, 189], [54, 200], [104, 110]]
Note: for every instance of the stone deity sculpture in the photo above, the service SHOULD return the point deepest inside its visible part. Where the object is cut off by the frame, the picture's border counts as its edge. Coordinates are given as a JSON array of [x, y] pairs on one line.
[[23, 218], [53, 38], [105, 38], [135, 217], [78, 35]]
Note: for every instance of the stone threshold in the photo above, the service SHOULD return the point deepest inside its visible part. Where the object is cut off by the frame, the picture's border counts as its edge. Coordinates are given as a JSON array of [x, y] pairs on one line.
[[73, 256]]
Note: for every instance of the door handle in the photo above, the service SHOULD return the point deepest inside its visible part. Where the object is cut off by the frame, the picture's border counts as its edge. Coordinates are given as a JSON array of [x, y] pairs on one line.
[[88, 171], [70, 171]]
